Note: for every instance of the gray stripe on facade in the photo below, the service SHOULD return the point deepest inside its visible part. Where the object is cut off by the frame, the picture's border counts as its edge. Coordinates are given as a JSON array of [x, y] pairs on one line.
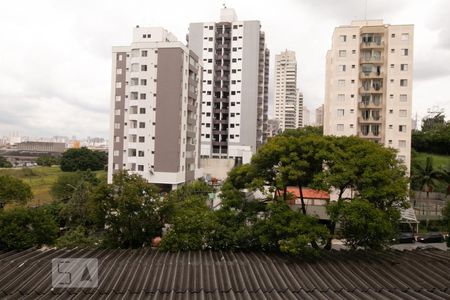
[[168, 109]]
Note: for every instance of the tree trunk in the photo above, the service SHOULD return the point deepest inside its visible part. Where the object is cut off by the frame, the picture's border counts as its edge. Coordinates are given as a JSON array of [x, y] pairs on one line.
[[302, 199], [284, 193]]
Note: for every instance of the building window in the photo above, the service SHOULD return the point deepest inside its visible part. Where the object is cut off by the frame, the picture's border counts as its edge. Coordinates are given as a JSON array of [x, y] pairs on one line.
[[142, 139], [143, 96], [342, 53], [402, 128], [119, 71], [405, 37], [117, 112], [341, 97], [403, 67], [143, 81], [392, 66], [116, 152], [144, 53], [403, 112], [118, 85], [402, 144], [118, 98], [403, 82], [116, 125], [341, 82], [142, 110], [343, 38], [393, 35], [134, 67], [340, 112], [341, 68], [141, 168], [405, 52], [141, 124], [403, 98], [141, 153], [340, 127], [144, 68]]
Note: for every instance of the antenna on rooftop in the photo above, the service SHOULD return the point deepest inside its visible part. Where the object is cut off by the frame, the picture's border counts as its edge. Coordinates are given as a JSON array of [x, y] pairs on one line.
[[224, 5]]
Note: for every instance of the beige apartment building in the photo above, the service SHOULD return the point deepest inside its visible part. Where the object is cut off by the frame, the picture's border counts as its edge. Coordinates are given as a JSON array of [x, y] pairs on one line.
[[155, 109], [288, 100], [368, 88]]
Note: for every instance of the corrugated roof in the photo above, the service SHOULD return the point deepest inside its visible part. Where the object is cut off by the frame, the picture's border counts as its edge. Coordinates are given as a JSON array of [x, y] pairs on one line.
[[152, 274], [309, 193]]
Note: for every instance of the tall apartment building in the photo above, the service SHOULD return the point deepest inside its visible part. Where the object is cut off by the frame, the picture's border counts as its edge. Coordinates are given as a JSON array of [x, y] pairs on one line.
[[155, 109], [319, 116], [235, 85], [368, 88], [306, 116], [288, 100]]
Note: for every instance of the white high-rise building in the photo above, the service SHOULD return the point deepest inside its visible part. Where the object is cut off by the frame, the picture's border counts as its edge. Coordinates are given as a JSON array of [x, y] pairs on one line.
[[288, 100], [368, 89], [235, 86], [155, 109]]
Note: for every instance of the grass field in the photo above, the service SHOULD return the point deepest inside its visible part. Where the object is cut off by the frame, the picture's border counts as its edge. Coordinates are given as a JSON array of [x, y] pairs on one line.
[[438, 160], [40, 179]]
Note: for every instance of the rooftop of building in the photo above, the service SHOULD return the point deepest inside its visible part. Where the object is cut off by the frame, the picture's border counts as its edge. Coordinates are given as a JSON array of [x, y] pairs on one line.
[[152, 274], [308, 193]]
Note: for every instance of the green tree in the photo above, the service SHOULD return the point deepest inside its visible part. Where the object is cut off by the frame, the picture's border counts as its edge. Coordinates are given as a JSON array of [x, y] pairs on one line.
[[356, 167], [280, 229], [78, 237], [13, 190], [433, 123], [364, 225], [426, 177], [128, 209], [304, 131], [288, 160], [83, 159], [4, 163], [191, 219], [66, 184], [22, 228], [48, 161]]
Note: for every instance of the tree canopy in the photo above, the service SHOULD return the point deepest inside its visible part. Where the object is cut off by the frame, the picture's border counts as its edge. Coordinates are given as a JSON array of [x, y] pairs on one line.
[[83, 159], [13, 190], [4, 163]]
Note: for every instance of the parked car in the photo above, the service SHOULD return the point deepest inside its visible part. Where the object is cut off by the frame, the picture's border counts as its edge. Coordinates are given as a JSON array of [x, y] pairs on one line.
[[405, 237], [431, 237]]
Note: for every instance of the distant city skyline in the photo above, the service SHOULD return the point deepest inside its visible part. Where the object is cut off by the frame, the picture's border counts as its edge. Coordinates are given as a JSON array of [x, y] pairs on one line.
[[56, 78]]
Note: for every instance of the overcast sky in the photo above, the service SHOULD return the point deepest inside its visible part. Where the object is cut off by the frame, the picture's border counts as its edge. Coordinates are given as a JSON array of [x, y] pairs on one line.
[[55, 55]]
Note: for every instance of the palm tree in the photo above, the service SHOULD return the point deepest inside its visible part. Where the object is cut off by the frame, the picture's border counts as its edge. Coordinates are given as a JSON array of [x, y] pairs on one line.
[[427, 177], [446, 177]]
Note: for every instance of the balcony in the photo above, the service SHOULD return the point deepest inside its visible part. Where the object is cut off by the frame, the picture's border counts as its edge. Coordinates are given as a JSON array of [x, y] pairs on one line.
[[369, 120], [369, 75], [372, 45], [224, 121], [371, 90], [372, 59], [369, 104], [222, 56], [220, 110], [219, 143], [222, 132]]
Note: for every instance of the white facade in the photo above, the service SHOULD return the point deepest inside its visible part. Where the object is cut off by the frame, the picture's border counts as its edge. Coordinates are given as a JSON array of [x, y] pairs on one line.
[[368, 89], [235, 86], [288, 100], [145, 99]]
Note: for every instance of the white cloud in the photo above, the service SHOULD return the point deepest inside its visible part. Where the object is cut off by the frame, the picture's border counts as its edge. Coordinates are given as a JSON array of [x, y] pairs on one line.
[[55, 55]]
